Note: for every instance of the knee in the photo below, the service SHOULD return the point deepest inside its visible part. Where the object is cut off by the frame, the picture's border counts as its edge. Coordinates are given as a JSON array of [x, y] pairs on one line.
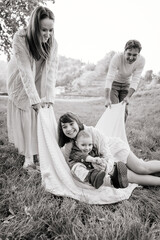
[[78, 167], [131, 176], [143, 168]]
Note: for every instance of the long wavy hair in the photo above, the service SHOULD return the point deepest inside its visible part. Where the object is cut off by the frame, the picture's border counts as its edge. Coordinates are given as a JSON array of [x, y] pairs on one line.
[[67, 118], [33, 35]]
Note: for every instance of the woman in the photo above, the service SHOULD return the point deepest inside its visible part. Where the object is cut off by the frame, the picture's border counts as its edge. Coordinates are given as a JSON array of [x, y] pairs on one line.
[[138, 171], [32, 73]]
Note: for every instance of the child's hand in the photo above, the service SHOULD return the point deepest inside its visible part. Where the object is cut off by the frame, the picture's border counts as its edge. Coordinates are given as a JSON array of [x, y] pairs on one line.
[[99, 166], [90, 159], [97, 162], [101, 162]]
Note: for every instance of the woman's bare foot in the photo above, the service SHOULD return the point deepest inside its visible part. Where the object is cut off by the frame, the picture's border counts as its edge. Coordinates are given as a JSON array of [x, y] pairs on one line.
[[28, 162]]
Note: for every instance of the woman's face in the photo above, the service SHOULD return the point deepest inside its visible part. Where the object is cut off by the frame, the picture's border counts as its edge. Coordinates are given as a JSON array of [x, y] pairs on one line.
[[46, 29], [70, 129], [131, 55]]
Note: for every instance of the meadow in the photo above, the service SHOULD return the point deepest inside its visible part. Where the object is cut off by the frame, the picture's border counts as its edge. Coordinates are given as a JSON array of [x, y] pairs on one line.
[[28, 212]]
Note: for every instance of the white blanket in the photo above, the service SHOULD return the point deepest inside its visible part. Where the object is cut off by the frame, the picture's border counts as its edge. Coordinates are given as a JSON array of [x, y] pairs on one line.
[[55, 173], [112, 122]]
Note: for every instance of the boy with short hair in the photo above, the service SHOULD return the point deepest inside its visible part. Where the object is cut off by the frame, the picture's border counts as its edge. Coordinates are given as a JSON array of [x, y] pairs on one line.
[[87, 165]]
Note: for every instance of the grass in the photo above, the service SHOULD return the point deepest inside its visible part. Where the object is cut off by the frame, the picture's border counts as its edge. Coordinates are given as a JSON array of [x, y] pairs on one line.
[[27, 211]]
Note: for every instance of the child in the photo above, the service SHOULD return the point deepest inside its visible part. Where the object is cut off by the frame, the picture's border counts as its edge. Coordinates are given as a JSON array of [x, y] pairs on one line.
[[90, 166]]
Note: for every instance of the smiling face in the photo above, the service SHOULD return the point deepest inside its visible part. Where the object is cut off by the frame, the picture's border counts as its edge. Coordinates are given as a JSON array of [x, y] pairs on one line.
[[131, 55], [84, 144], [70, 129], [46, 29]]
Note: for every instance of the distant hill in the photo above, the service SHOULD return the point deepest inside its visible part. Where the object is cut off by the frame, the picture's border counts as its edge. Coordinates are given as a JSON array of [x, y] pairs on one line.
[[3, 75], [68, 70], [77, 77], [92, 81]]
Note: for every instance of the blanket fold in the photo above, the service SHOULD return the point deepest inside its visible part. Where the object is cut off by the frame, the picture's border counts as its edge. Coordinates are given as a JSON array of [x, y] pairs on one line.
[[55, 173]]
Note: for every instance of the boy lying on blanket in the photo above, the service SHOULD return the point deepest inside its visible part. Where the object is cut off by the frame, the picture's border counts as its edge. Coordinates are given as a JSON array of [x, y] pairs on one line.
[[87, 165]]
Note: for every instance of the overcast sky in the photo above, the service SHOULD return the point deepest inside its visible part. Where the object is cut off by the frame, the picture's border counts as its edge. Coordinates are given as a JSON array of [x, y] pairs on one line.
[[88, 29]]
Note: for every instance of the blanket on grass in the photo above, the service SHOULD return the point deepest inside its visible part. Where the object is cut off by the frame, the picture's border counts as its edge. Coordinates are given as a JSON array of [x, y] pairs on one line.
[[55, 173]]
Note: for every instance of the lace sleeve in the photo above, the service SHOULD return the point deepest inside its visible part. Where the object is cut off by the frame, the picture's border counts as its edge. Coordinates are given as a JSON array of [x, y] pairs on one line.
[[113, 66], [52, 75], [137, 74], [101, 142], [24, 66], [67, 150]]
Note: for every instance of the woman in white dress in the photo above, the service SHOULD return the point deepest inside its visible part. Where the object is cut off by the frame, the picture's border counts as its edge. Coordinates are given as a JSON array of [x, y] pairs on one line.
[[138, 171], [32, 73]]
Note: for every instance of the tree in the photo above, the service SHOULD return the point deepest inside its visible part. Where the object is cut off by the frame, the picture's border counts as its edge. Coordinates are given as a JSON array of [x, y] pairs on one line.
[[148, 76], [14, 15]]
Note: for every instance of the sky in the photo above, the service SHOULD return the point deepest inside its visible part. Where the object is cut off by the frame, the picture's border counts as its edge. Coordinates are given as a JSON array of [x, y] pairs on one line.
[[88, 29]]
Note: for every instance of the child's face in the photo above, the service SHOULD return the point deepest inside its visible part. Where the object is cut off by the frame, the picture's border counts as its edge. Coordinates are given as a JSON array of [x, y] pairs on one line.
[[84, 144]]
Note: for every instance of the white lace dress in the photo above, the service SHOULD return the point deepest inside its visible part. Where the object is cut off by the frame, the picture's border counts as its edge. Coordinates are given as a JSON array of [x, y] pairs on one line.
[[22, 124]]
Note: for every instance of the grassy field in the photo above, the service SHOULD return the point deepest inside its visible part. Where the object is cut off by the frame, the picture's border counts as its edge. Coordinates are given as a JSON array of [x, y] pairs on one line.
[[28, 212]]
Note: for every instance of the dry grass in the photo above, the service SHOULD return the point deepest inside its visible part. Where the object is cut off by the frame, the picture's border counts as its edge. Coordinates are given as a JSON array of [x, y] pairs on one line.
[[28, 212]]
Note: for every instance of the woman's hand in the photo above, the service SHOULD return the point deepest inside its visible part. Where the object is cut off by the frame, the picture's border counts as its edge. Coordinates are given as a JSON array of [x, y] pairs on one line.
[[98, 167], [126, 100], [97, 162], [36, 107], [49, 104], [46, 104], [108, 103]]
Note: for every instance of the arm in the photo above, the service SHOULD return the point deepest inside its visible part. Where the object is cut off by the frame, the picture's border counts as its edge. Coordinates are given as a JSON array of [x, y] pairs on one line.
[[52, 75], [135, 79], [107, 97], [101, 142], [23, 62], [127, 98], [110, 78], [77, 155], [97, 162], [66, 152], [137, 73], [69, 154]]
